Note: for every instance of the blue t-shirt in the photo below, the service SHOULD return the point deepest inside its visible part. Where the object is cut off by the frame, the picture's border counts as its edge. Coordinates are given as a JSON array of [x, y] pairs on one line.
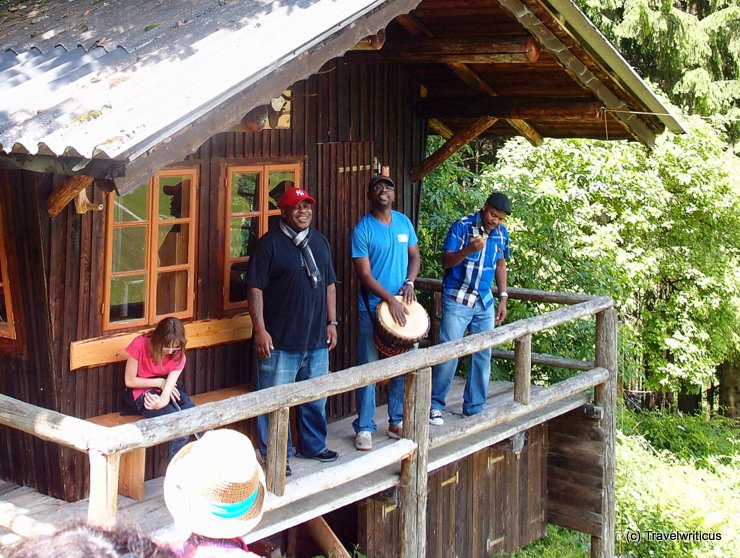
[[387, 248], [473, 277]]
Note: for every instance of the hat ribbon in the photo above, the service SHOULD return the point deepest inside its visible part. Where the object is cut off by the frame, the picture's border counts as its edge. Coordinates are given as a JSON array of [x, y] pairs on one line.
[[236, 509]]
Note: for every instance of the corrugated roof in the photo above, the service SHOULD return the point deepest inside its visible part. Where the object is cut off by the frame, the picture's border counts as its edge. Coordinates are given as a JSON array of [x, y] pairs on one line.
[[108, 84], [79, 80]]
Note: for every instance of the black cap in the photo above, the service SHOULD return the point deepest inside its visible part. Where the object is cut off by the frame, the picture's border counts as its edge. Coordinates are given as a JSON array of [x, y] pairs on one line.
[[380, 178], [499, 201]]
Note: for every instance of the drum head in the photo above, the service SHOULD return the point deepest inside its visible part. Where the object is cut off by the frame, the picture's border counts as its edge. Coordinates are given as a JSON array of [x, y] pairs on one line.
[[417, 321]]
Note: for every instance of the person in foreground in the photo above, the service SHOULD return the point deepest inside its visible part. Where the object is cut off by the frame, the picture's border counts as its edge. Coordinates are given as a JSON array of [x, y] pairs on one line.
[[80, 540], [385, 255], [214, 489], [292, 299], [155, 362], [474, 254]]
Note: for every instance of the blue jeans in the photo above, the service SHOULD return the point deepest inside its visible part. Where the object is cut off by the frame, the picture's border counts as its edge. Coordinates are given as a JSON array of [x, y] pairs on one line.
[[456, 318], [365, 396], [287, 367], [185, 403]]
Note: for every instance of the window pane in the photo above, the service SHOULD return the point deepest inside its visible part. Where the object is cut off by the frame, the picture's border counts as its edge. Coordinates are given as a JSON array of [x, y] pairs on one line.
[[174, 197], [244, 232], [279, 181], [131, 207], [237, 286], [172, 244], [244, 190], [129, 249], [127, 296], [172, 290]]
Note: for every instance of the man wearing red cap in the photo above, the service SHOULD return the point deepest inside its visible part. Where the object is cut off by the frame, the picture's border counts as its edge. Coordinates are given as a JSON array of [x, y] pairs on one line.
[[292, 299]]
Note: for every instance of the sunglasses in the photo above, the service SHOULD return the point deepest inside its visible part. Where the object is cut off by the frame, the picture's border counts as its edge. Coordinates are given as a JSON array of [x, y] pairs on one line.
[[382, 186]]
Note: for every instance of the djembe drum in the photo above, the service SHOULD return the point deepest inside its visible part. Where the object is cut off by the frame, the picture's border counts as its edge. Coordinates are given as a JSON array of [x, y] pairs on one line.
[[392, 339]]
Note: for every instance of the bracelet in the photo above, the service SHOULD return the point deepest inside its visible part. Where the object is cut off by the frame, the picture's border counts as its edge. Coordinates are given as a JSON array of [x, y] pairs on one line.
[[161, 384], [503, 294], [332, 322], [408, 282]]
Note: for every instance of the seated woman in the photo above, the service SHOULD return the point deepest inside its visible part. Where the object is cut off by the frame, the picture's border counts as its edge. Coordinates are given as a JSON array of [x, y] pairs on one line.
[[154, 365]]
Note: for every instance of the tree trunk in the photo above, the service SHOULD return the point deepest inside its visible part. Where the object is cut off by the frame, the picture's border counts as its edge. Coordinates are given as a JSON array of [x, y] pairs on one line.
[[729, 389]]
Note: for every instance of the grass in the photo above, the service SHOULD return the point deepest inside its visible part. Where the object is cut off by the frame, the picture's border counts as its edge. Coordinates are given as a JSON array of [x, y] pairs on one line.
[[675, 474]]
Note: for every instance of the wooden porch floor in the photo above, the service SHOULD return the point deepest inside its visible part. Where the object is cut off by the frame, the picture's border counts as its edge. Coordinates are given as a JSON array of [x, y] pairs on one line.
[[23, 509]]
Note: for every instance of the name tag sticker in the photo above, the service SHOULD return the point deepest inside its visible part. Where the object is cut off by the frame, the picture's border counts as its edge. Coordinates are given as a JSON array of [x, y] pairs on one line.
[[403, 238]]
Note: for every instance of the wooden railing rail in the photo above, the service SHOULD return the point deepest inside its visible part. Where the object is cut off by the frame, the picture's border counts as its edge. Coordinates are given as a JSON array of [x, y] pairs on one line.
[[105, 445]]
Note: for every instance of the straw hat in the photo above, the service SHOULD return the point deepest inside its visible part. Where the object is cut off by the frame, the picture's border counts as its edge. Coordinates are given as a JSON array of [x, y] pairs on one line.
[[215, 487]]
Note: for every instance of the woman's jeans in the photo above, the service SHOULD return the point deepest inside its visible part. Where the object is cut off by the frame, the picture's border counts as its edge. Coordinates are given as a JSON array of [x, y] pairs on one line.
[[184, 403], [287, 367], [365, 396], [456, 318]]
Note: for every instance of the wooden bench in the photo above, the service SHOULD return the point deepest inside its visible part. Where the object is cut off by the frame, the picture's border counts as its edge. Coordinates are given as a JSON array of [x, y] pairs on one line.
[[133, 463]]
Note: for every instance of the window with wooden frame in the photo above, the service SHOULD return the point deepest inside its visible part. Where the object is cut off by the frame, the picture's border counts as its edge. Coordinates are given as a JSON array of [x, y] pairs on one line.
[[150, 251], [7, 322], [252, 195]]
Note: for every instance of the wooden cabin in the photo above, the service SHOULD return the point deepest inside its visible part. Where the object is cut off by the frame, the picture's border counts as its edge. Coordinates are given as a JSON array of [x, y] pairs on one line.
[[142, 148]]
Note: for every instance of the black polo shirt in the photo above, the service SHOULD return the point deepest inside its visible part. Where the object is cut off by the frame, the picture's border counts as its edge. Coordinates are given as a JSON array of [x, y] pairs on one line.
[[294, 311]]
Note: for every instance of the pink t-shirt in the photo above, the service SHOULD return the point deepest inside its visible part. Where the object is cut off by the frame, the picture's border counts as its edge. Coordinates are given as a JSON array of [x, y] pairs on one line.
[[139, 349]]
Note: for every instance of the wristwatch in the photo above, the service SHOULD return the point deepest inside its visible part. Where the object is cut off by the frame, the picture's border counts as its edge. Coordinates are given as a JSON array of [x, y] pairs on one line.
[[332, 322], [503, 294], [408, 282]]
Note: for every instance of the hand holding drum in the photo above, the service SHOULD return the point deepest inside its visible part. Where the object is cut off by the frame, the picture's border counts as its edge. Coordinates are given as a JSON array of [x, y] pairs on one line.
[[393, 339]]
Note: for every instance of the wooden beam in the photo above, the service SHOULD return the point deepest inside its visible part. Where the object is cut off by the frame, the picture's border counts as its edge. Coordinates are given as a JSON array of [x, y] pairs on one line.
[[328, 542], [510, 107], [372, 42], [202, 333], [450, 146], [517, 49], [440, 128], [277, 450], [523, 369], [605, 396], [416, 28], [474, 81], [414, 481], [68, 191], [103, 503]]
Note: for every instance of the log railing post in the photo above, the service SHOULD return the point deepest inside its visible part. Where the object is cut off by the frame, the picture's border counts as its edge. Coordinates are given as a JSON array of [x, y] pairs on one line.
[[523, 368], [605, 396], [277, 450], [103, 503], [413, 493]]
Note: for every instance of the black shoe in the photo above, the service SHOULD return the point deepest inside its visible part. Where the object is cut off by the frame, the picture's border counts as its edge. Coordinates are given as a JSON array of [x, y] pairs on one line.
[[326, 456], [288, 472]]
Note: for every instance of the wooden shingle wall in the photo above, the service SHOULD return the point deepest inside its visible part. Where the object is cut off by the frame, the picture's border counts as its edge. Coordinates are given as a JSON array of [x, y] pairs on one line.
[[491, 501], [365, 113], [575, 463]]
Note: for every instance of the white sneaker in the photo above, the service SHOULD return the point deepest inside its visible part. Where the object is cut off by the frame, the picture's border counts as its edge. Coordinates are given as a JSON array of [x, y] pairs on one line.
[[435, 417], [364, 441]]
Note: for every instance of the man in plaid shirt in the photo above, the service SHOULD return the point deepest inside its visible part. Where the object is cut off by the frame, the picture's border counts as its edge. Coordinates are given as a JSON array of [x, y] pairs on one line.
[[474, 254]]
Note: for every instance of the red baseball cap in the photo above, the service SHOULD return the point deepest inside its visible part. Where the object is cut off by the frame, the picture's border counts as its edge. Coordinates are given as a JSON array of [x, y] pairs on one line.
[[293, 196]]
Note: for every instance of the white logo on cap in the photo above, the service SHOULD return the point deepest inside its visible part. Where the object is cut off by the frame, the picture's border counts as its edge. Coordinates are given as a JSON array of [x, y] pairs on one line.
[[300, 192]]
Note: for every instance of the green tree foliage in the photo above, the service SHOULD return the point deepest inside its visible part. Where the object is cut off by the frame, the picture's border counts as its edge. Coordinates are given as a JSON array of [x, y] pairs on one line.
[[659, 231], [690, 49]]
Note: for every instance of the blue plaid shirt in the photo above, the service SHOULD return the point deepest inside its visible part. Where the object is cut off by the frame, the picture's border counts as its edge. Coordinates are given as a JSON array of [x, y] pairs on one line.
[[473, 277]]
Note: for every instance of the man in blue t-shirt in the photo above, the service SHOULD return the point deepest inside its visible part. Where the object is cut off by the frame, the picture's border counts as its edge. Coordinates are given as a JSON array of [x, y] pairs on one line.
[[292, 300], [385, 254], [475, 252]]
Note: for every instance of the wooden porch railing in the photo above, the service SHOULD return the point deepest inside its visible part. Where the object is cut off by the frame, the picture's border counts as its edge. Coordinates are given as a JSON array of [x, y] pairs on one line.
[[105, 446]]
